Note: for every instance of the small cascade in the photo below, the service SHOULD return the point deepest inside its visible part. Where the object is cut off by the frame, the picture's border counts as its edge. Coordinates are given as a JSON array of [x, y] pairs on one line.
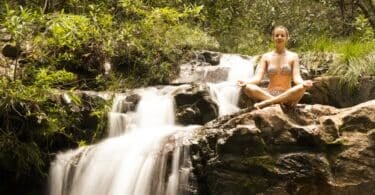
[[241, 67], [143, 155], [227, 92], [226, 95], [155, 110], [146, 153], [117, 120]]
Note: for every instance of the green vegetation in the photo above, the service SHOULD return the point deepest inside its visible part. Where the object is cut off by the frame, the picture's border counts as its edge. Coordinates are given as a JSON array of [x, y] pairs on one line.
[[146, 40], [355, 59], [67, 45], [35, 125], [355, 53]]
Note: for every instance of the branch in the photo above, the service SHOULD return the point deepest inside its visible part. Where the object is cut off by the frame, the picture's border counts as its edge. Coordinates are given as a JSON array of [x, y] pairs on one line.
[[372, 4], [367, 12], [45, 6]]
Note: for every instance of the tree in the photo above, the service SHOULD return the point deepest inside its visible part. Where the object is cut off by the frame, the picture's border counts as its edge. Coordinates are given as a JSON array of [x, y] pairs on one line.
[[368, 9]]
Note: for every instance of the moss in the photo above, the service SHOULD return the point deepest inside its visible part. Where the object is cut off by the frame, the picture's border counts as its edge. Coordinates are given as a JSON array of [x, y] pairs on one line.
[[224, 181], [34, 126], [254, 185], [266, 162]]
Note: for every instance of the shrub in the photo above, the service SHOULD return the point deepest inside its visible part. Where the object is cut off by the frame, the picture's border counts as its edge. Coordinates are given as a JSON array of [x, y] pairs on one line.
[[150, 50]]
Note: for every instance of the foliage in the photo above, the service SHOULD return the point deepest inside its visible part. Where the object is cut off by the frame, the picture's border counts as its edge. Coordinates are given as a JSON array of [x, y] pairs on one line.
[[147, 39], [47, 78], [35, 124], [71, 42], [20, 157], [355, 58], [21, 23], [353, 70], [356, 53], [21, 118], [149, 50], [356, 61], [69, 30], [149, 43], [244, 26], [364, 31], [321, 43]]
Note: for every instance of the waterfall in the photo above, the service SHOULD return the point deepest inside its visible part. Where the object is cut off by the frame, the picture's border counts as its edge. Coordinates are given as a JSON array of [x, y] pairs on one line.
[[144, 154], [226, 93], [118, 121]]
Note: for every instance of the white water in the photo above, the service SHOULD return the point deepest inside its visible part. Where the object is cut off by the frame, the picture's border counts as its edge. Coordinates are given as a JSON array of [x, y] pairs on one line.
[[134, 160], [226, 93], [144, 153], [118, 122]]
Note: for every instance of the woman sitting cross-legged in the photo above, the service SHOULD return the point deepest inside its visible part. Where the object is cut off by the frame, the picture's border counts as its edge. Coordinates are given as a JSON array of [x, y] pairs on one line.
[[281, 66]]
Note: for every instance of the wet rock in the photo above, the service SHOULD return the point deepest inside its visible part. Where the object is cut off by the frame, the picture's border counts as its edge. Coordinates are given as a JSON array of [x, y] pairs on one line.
[[329, 91], [194, 105], [244, 101], [132, 102], [202, 69], [213, 58], [194, 72], [314, 64], [11, 51], [311, 149]]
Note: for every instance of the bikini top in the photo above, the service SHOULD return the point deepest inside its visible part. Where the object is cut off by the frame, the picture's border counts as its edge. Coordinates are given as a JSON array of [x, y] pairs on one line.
[[284, 69]]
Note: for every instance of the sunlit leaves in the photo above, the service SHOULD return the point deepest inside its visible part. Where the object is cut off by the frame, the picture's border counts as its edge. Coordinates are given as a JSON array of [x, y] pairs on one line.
[[46, 78], [364, 31], [69, 30], [20, 23]]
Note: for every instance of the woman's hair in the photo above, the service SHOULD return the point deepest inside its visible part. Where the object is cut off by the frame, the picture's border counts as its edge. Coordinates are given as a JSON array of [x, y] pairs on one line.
[[281, 27]]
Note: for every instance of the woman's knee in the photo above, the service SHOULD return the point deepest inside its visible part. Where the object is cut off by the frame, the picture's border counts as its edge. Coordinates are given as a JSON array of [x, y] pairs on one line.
[[297, 93], [255, 92], [251, 89], [298, 89]]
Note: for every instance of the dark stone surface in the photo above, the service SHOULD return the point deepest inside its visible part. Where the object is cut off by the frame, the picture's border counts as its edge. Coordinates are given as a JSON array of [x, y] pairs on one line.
[[311, 149], [329, 91], [11, 51], [195, 106]]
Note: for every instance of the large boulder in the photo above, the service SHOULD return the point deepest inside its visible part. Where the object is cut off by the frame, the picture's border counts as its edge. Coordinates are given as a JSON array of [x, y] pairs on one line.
[[311, 149], [329, 91], [194, 105], [203, 68], [315, 64]]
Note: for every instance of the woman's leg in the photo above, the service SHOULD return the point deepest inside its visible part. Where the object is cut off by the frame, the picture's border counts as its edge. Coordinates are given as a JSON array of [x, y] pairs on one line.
[[255, 92], [290, 97]]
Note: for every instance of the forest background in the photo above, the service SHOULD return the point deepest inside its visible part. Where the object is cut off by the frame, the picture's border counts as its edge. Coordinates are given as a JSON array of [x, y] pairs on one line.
[[50, 45]]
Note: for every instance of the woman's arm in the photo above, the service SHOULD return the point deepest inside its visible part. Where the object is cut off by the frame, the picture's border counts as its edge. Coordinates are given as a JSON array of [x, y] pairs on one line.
[[297, 79], [259, 74]]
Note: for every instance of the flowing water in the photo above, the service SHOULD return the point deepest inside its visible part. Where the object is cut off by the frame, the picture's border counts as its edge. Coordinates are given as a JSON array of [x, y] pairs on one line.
[[226, 93], [145, 152]]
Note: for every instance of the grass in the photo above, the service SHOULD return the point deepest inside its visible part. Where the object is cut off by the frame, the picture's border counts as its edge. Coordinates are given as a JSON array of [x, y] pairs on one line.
[[355, 58]]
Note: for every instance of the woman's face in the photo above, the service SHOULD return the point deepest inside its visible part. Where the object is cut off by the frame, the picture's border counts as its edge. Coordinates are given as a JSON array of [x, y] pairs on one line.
[[280, 36]]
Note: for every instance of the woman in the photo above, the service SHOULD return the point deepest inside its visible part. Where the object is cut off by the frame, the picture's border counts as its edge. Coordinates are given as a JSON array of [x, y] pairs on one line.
[[282, 66]]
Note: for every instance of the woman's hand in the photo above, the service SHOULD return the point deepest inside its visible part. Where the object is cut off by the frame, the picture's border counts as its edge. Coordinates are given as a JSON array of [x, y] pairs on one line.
[[241, 83], [307, 83]]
